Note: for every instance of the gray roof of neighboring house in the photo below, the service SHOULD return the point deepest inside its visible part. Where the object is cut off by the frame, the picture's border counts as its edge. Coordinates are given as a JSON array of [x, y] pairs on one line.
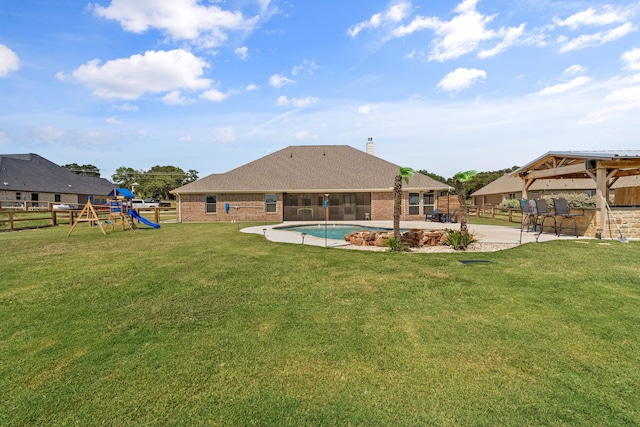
[[310, 168], [33, 173]]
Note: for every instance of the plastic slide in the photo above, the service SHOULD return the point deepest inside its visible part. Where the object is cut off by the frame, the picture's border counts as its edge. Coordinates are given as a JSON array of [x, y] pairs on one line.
[[134, 213]]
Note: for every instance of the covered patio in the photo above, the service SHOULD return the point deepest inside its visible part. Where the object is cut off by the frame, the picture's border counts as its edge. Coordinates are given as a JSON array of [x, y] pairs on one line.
[[603, 167]]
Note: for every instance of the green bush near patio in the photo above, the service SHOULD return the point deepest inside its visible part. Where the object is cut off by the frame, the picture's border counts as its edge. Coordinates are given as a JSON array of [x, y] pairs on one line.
[[199, 324]]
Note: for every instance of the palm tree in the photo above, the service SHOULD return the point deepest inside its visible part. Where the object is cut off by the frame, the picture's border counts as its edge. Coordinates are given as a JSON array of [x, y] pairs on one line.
[[459, 180], [404, 174]]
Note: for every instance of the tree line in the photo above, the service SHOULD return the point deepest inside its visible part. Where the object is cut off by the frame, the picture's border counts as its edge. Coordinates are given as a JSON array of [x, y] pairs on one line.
[[155, 182], [475, 183]]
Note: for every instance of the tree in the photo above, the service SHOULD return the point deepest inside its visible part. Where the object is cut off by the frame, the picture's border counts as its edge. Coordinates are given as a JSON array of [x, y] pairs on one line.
[[460, 179], [191, 176], [86, 170], [125, 176], [160, 180], [435, 176], [403, 174]]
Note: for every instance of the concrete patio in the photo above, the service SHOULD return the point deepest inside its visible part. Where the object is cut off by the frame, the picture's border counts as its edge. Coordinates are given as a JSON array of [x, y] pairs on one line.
[[484, 233]]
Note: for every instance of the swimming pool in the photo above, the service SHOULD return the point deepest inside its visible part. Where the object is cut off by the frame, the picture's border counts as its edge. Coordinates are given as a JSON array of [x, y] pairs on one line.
[[334, 231]]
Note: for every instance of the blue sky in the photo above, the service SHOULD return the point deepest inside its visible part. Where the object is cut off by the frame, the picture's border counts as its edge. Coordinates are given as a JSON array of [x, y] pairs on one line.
[[212, 85]]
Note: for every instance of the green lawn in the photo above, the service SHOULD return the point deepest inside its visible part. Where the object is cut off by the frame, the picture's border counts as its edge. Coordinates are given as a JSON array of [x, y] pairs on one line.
[[202, 325]]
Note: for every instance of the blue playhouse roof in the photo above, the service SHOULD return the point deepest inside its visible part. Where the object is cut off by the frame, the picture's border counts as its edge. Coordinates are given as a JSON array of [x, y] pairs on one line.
[[127, 194]]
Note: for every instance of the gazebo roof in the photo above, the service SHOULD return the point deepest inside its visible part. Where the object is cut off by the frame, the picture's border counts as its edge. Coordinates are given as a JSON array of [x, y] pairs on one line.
[[577, 164]]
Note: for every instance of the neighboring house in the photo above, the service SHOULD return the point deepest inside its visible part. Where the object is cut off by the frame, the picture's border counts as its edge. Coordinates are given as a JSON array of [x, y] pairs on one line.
[[510, 187], [293, 184], [31, 180]]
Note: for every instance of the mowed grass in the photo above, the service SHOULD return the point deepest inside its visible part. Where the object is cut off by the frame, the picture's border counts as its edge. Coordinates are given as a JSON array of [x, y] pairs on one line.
[[199, 324]]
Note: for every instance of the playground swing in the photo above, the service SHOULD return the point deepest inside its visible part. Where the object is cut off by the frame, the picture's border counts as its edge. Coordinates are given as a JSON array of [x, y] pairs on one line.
[[88, 214]]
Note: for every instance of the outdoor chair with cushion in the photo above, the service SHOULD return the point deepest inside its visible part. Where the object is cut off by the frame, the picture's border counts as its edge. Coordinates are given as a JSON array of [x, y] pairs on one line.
[[435, 216], [562, 210], [542, 214]]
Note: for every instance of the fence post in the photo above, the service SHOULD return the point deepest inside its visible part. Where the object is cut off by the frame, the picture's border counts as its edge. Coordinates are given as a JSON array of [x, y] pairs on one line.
[[156, 215], [510, 214], [10, 220]]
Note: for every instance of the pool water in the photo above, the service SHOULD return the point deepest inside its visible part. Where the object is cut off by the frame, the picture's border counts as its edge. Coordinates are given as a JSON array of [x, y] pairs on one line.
[[334, 231]]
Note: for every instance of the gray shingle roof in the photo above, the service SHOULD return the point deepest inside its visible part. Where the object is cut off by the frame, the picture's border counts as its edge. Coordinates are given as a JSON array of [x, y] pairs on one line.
[[310, 168], [33, 173]]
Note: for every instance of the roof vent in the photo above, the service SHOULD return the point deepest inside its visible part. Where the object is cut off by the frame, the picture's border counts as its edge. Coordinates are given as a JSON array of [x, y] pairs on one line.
[[370, 146]]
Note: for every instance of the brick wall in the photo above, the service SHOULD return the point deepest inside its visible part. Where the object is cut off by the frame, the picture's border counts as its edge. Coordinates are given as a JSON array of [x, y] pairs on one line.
[[243, 208], [10, 196]]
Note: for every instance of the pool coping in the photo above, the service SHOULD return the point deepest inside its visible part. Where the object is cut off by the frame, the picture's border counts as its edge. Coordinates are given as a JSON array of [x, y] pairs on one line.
[[485, 233]]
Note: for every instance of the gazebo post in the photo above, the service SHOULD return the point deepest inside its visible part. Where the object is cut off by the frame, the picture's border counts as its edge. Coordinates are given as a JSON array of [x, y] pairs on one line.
[[601, 194]]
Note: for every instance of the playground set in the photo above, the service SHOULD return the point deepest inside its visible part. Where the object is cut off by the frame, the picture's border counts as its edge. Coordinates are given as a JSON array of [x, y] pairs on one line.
[[119, 212]]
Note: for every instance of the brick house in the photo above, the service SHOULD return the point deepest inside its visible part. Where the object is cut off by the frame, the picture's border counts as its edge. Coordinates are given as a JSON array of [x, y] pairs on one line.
[[293, 184], [32, 181]]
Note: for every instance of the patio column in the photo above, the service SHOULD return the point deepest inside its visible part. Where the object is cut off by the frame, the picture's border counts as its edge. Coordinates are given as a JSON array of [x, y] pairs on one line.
[[601, 194]]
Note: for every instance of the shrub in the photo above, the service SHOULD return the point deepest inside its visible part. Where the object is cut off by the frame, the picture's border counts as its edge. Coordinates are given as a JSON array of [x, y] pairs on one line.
[[395, 245], [510, 204], [574, 200], [459, 240]]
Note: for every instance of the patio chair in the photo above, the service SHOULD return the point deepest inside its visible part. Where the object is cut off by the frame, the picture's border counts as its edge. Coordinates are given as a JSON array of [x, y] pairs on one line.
[[542, 214], [562, 210], [529, 212], [435, 216], [451, 217]]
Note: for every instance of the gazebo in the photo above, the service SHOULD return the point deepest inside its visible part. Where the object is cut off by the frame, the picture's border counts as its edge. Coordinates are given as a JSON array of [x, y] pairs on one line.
[[604, 167]]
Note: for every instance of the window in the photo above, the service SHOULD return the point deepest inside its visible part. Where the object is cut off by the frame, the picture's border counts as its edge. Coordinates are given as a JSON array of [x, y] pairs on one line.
[[428, 201], [18, 195], [34, 197], [210, 206], [414, 203], [270, 202], [56, 198]]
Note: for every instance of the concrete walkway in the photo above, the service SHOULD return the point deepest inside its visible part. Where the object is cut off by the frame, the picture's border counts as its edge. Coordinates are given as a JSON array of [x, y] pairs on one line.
[[484, 233]]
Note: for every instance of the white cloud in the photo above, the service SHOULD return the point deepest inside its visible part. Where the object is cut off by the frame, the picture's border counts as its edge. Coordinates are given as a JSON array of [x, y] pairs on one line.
[[627, 99], [631, 59], [154, 72], [214, 95], [174, 98], [394, 14], [462, 34], [278, 80], [225, 134], [208, 26], [296, 102], [8, 61], [242, 52], [307, 66], [565, 87], [367, 109], [606, 16], [126, 107], [251, 87], [186, 138], [113, 120], [461, 78], [574, 69], [510, 36], [597, 39]]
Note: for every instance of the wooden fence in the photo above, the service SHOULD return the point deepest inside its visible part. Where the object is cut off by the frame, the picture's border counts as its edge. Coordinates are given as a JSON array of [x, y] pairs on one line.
[[27, 216], [496, 212]]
